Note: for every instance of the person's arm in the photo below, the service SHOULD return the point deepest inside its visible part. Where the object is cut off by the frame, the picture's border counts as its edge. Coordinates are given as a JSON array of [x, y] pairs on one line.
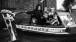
[[29, 12]]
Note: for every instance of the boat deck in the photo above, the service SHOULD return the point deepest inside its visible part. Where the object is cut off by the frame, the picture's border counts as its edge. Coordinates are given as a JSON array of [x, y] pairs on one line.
[[49, 26]]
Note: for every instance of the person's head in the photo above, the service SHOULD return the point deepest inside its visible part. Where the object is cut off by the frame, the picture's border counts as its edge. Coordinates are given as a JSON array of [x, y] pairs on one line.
[[52, 9], [68, 16], [38, 7], [49, 9], [46, 9]]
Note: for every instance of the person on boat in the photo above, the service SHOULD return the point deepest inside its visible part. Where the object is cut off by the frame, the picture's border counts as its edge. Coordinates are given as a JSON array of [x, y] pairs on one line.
[[53, 17], [37, 15]]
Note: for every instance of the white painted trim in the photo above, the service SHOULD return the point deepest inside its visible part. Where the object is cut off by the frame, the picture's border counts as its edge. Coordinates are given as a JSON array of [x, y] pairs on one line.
[[42, 29]]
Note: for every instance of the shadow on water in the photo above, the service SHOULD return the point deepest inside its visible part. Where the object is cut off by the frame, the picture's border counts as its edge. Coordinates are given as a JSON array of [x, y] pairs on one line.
[[40, 37]]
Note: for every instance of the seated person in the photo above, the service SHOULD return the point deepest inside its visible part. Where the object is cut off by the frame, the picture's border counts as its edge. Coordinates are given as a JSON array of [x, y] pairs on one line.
[[37, 14], [45, 15], [55, 20], [53, 17]]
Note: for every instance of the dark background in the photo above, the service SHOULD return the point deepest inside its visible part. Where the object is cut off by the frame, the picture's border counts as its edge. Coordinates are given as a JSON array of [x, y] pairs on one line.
[[25, 4]]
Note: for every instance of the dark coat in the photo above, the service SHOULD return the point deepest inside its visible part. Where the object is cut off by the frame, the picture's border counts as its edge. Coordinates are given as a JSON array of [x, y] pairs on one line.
[[38, 15]]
